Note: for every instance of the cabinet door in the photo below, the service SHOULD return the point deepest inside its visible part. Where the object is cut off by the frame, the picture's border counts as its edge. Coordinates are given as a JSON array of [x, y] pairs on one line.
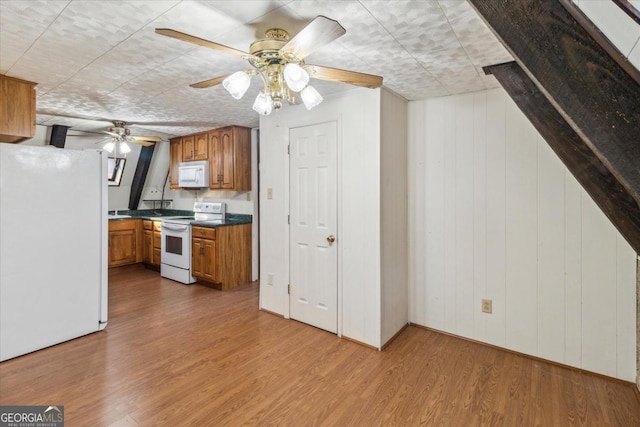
[[196, 257], [215, 172], [203, 258], [175, 157], [209, 262], [147, 247], [188, 148], [122, 247], [17, 109], [227, 158], [201, 146]]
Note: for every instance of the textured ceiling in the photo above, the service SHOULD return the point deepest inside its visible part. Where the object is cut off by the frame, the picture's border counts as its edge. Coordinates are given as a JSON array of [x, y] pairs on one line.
[[103, 60]]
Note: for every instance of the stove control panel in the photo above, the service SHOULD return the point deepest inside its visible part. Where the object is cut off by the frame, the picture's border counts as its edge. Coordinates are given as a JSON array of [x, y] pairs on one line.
[[210, 207]]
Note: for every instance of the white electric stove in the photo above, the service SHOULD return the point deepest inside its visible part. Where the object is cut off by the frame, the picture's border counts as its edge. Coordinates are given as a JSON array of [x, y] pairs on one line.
[[176, 240]]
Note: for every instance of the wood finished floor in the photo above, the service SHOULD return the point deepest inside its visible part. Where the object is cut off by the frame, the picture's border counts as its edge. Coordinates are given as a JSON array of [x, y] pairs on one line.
[[176, 355]]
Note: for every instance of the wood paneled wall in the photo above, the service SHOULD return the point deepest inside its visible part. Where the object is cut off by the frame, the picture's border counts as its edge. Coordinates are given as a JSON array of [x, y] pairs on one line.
[[494, 214], [393, 215]]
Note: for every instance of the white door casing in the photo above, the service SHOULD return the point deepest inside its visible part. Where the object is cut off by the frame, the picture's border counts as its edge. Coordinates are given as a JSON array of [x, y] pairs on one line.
[[313, 270]]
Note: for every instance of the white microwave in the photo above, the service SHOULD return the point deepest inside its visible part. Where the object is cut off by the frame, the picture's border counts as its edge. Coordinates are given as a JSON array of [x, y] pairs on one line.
[[193, 174]]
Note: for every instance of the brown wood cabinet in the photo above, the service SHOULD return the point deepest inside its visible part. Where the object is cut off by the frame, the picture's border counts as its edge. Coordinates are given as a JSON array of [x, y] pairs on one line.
[[203, 254], [221, 256], [175, 157], [147, 246], [151, 242], [125, 242], [17, 109], [230, 159], [228, 150], [157, 242], [194, 147], [201, 146], [188, 148]]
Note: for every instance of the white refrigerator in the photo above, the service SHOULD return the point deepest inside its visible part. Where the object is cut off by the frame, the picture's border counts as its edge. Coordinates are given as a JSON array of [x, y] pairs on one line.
[[53, 246]]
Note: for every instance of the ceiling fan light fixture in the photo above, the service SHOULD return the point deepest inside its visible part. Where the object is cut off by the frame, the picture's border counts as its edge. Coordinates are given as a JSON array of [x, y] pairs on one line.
[[123, 147], [311, 97], [295, 76], [237, 84], [263, 104], [109, 146]]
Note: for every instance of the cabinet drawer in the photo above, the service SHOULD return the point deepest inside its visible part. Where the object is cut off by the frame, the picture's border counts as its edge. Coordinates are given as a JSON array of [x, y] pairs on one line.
[[157, 240], [122, 224], [147, 225], [204, 232], [157, 225]]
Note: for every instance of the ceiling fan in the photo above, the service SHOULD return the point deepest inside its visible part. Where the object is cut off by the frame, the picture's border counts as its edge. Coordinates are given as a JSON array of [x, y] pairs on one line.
[[118, 136], [279, 61]]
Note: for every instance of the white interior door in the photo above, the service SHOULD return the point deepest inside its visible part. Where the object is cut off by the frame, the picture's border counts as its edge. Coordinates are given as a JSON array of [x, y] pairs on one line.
[[313, 241]]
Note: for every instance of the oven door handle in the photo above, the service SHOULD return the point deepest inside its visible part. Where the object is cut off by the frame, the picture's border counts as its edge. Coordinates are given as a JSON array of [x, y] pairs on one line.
[[175, 227]]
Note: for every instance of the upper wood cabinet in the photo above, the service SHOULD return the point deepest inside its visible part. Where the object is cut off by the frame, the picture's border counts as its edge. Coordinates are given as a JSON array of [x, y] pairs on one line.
[[175, 157], [230, 158], [201, 146], [188, 148], [228, 150], [17, 109]]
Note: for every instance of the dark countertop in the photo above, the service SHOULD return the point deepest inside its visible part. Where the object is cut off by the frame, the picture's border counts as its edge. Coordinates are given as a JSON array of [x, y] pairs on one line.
[[158, 214]]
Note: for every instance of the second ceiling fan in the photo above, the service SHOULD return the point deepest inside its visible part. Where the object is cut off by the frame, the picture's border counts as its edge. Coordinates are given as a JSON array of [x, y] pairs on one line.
[[279, 61], [119, 136]]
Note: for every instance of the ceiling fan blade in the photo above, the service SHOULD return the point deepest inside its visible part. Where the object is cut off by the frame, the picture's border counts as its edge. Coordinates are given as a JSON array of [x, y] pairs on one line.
[[144, 143], [202, 42], [314, 35], [146, 138], [209, 83], [344, 76]]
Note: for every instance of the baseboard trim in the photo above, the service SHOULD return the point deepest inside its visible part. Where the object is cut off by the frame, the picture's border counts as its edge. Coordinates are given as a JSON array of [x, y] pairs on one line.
[[385, 345], [529, 356], [359, 343], [272, 313]]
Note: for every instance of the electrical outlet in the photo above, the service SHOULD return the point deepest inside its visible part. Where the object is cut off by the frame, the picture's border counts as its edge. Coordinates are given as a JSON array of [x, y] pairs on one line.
[[270, 279], [487, 306], [269, 193]]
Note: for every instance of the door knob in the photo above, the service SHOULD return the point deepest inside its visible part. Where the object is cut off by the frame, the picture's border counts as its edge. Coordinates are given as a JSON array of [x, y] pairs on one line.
[[331, 239]]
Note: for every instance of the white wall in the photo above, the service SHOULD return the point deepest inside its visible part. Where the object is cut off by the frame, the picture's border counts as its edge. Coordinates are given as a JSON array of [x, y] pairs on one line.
[[358, 117], [494, 214], [393, 212]]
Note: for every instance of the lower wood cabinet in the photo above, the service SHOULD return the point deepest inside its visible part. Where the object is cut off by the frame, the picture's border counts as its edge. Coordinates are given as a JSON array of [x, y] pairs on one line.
[[125, 242], [203, 254], [151, 241], [221, 256]]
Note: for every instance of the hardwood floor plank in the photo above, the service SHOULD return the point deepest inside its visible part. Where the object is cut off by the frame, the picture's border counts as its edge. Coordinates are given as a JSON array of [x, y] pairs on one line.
[[190, 355]]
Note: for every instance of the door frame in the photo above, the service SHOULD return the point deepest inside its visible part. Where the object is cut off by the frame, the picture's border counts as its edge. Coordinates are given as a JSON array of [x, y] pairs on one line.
[[287, 203]]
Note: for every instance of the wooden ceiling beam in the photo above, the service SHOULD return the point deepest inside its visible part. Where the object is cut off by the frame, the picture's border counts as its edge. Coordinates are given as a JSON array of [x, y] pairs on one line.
[[609, 194], [588, 88]]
